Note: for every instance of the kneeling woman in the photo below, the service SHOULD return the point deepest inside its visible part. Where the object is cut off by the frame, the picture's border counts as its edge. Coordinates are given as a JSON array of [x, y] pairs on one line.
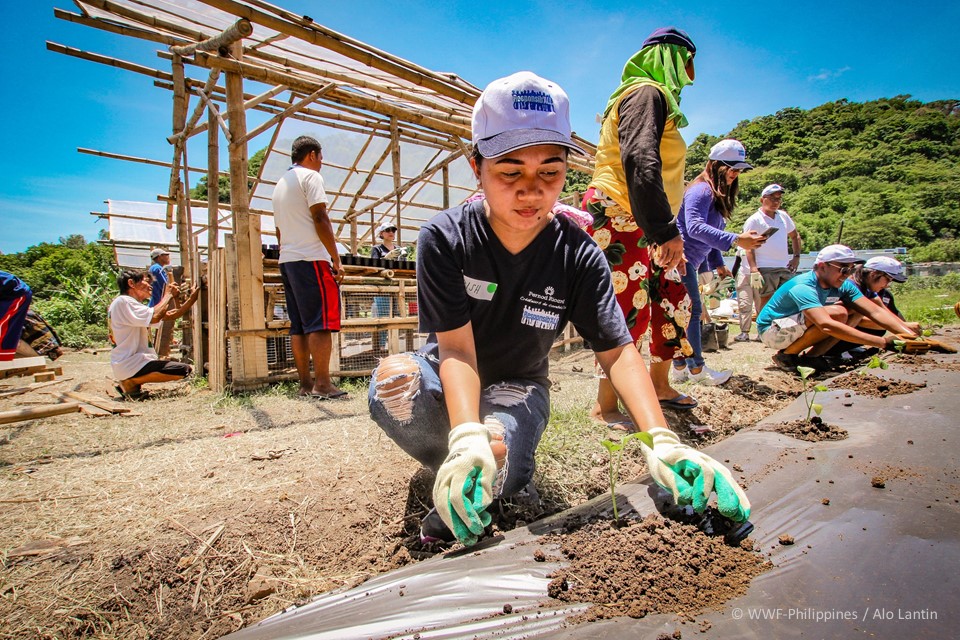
[[497, 281]]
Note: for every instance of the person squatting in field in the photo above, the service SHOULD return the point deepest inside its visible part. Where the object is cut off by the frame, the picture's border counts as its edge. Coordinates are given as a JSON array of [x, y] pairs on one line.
[[498, 279]]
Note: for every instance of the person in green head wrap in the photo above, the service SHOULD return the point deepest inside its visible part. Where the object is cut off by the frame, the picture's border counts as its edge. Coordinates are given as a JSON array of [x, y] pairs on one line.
[[634, 197]]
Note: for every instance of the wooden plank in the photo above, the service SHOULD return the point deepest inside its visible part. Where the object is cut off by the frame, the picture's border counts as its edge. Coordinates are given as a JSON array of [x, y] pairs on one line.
[[44, 376], [217, 319], [19, 415], [100, 403], [94, 411], [23, 363], [30, 387], [251, 361]]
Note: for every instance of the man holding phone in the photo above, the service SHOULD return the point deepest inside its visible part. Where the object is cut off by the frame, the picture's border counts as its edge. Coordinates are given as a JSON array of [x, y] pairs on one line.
[[771, 264]]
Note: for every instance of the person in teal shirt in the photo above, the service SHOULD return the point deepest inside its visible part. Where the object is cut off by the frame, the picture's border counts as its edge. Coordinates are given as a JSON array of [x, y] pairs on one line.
[[812, 307]]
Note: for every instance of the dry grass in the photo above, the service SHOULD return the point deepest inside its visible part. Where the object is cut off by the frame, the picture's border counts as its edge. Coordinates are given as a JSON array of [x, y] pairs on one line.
[[207, 513]]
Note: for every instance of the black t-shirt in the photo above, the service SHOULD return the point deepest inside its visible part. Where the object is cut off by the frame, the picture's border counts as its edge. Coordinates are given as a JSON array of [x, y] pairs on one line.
[[379, 251], [517, 304]]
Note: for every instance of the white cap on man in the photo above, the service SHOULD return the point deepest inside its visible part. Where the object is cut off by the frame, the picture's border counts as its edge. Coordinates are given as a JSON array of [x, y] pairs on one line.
[[385, 226], [771, 189], [887, 265], [156, 253], [521, 110], [837, 253]]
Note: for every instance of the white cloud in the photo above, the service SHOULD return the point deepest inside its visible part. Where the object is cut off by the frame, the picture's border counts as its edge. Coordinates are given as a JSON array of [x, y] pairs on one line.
[[827, 74]]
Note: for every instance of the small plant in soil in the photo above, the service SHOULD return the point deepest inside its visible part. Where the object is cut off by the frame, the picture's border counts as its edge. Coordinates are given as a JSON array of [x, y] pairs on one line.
[[615, 448], [875, 362], [810, 393]]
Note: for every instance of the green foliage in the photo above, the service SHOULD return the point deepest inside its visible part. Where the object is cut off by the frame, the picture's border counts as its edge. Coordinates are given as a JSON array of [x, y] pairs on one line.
[[928, 299], [812, 406], [886, 169], [576, 183], [73, 284], [201, 191], [615, 449]]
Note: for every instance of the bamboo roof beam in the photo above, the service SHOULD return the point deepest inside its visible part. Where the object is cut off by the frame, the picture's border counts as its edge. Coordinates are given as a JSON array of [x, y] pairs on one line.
[[120, 156], [119, 29], [429, 171], [328, 39], [294, 106], [340, 96], [234, 33]]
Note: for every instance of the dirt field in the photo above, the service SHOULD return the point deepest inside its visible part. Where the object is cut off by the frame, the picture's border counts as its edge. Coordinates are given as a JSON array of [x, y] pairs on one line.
[[206, 513]]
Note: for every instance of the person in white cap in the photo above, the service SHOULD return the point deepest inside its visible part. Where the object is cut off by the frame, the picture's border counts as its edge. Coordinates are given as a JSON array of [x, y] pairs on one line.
[[873, 280], [821, 304], [772, 264], [384, 306], [497, 281], [708, 203]]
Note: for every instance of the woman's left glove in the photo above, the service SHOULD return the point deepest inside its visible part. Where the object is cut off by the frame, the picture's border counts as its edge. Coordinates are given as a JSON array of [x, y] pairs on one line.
[[691, 476], [463, 490]]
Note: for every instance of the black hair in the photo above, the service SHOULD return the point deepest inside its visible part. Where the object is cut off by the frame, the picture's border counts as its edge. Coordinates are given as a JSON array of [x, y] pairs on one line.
[[125, 276], [302, 147], [724, 195]]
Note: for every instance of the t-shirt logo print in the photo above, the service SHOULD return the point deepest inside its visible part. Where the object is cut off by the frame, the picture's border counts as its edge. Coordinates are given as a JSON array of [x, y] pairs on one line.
[[529, 100]]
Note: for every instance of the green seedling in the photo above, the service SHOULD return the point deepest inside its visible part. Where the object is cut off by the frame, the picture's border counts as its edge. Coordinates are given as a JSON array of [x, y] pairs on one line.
[[812, 406], [875, 363], [615, 448], [926, 333]]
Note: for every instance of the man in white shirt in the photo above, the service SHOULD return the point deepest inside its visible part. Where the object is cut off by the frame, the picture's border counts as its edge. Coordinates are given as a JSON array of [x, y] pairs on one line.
[[770, 263], [309, 266], [133, 361]]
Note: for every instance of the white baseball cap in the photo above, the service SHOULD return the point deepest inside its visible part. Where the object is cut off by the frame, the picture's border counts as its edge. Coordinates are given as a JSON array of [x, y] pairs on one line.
[[521, 110], [837, 253], [887, 265], [771, 189], [156, 253], [731, 153], [384, 226]]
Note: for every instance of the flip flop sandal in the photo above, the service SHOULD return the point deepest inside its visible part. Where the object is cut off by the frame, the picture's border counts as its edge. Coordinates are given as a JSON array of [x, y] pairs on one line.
[[678, 404]]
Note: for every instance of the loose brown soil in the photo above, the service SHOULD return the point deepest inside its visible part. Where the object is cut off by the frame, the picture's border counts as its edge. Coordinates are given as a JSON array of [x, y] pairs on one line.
[[867, 384], [650, 566], [203, 513], [809, 430]]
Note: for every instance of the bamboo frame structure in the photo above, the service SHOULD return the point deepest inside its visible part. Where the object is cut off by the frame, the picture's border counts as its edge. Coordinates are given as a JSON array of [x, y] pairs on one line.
[[263, 69]]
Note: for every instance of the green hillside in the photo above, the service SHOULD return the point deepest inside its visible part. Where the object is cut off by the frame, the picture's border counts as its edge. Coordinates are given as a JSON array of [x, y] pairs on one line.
[[889, 169]]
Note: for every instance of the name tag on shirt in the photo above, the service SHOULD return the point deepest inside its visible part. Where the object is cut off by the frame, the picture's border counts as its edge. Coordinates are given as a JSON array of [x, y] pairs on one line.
[[479, 289]]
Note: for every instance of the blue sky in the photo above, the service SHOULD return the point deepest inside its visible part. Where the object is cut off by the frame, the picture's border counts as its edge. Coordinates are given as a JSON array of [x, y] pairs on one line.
[[753, 59]]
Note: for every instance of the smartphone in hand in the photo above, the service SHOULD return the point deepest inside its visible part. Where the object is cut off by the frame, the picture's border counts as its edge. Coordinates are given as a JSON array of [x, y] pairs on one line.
[[769, 232]]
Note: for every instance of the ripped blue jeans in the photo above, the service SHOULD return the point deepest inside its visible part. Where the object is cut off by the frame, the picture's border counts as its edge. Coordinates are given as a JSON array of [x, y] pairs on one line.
[[406, 401]]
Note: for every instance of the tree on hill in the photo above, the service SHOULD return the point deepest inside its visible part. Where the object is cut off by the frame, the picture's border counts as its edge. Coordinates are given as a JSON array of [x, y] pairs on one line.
[[888, 169], [200, 191]]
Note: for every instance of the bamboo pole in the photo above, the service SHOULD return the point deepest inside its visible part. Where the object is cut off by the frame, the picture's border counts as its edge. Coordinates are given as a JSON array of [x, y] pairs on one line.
[[213, 182], [32, 413], [341, 44], [120, 156], [252, 361], [294, 106], [234, 33], [270, 76], [429, 171], [397, 173]]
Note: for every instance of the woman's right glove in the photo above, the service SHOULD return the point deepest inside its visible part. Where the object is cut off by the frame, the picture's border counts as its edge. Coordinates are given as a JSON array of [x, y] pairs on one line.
[[756, 280], [691, 476], [462, 491]]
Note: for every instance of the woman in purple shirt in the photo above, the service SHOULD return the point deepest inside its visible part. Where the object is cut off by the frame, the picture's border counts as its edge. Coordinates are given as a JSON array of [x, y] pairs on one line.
[[708, 203]]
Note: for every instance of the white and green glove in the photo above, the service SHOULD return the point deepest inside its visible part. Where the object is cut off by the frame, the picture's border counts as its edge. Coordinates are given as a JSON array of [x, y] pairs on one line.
[[756, 280], [691, 476], [463, 490]]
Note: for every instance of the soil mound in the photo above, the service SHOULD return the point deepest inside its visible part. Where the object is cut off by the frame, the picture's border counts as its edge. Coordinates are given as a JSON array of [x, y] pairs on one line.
[[650, 566], [810, 430], [868, 384]]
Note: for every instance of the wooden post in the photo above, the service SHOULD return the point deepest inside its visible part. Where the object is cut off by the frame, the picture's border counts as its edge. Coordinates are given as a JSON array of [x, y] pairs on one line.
[[213, 181], [217, 318], [397, 177], [250, 363], [446, 186]]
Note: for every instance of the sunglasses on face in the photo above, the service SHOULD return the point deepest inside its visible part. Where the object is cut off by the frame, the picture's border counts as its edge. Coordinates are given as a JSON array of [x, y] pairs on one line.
[[844, 269]]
